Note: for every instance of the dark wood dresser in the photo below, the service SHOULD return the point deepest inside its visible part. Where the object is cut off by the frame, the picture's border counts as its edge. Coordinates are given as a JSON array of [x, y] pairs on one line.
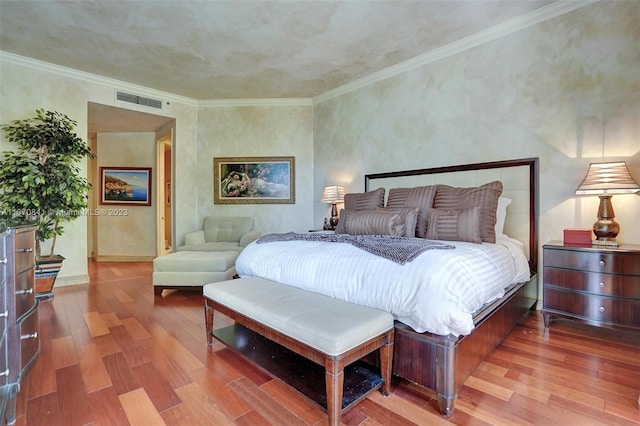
[[598, 285], [19, 344]]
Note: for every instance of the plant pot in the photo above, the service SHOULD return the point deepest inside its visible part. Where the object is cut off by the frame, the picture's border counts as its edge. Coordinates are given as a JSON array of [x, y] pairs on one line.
[[47, 268]]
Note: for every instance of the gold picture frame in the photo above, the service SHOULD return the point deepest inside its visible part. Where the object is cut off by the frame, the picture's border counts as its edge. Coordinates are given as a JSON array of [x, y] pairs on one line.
[[254, 180], [125, 186]]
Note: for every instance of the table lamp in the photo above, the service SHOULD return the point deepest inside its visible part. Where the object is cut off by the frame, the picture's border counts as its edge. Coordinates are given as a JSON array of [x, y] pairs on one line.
[[604, 180], [333, 194]]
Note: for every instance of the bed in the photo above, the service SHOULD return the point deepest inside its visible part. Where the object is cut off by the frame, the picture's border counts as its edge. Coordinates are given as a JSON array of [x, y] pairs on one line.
[[482, 263]]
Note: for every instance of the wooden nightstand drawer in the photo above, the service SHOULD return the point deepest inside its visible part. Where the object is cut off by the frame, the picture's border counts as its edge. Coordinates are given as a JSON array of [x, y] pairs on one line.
[[624, 312], [594, 261], [627, 286], [599, 285]]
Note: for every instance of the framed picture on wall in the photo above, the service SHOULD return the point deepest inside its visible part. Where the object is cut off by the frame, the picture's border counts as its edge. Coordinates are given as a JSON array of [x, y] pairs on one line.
[[130, 186], [254, 180]]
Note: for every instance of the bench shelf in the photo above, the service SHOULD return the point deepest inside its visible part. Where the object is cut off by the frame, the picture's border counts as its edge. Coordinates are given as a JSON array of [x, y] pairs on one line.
[[304, 375]]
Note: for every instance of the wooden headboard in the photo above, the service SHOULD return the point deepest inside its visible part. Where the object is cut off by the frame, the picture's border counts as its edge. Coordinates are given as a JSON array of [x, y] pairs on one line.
[[519, 178]]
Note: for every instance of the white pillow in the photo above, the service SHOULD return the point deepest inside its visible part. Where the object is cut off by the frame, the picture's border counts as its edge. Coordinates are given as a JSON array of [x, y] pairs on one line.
[[501, 214]]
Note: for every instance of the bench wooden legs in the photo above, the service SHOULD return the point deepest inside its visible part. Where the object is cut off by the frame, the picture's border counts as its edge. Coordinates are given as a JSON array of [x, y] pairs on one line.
[[208, 321], [386, 364], [334, 377]]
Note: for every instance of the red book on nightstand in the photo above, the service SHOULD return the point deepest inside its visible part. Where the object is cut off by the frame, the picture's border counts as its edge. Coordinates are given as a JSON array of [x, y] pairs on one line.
[[578, 236]]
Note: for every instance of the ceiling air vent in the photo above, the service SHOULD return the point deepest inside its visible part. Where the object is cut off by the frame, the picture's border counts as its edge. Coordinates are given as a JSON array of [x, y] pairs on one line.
[[138, 100]]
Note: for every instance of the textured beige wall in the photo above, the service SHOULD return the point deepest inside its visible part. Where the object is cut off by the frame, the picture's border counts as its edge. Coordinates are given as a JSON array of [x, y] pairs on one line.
[[26, 86], [126, 232], [566, 91], [262, 131]]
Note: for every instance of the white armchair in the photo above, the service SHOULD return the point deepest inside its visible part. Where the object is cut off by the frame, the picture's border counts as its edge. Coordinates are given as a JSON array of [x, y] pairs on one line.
[[221, 233]]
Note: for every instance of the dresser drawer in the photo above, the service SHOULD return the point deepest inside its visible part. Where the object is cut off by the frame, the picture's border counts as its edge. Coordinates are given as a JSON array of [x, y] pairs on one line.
[[24, 255], [29, 337], [4, 366], [627, 286], [624, 312], [594, 261], [25, 297], [21, 314]]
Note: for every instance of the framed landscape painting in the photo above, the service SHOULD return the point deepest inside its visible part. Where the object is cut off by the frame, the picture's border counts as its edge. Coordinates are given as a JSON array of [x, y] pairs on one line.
[[129, 186], [254, 180]]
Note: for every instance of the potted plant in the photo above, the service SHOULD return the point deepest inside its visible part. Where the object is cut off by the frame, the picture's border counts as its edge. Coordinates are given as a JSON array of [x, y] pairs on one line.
[[40, 181]]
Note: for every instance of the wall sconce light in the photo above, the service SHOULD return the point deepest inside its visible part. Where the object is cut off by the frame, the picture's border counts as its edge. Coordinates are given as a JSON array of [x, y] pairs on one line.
[[604, 180], [333, 194]]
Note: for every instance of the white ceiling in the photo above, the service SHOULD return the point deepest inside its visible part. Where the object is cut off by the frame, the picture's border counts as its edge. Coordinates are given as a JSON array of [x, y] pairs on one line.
[[238, 49]]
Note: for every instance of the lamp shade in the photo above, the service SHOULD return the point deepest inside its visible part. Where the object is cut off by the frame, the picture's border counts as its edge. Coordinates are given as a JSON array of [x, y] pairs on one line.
[[332, 194], [608, 178]]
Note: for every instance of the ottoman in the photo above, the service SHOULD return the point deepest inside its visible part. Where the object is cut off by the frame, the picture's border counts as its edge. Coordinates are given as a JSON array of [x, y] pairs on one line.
[[192, 269]]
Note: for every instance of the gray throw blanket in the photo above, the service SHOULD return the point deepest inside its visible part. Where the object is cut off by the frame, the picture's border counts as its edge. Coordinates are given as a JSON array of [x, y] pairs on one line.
[[397, 249]]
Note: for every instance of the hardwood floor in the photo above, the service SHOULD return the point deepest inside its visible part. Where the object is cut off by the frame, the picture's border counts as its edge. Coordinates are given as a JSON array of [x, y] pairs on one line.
[[113, 354]]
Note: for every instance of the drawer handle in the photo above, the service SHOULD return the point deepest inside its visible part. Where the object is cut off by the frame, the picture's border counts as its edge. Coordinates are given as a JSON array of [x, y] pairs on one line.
[[601, 309], [4, 314], [29, 336], [602, 285], [24, 250], [27, 291], [602, 263], [4, 373], [3, 261]]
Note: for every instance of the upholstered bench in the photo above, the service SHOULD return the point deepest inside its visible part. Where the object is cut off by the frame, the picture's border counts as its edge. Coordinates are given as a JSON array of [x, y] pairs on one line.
[[192, 269], [327, 331]]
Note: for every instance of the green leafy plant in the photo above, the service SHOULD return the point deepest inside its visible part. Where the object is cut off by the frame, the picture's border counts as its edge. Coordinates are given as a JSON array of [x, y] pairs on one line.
[[40, 182]]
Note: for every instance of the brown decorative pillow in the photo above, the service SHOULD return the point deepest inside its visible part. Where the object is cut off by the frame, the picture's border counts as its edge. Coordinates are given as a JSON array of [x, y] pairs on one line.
[[410, 219], [365, 200], [340, 227], [454, 225], [485, 197], [421, 197], [373, 222]]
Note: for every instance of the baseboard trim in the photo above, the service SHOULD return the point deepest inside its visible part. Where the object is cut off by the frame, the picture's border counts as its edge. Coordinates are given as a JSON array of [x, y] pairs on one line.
[[124, 258], [71, 280]]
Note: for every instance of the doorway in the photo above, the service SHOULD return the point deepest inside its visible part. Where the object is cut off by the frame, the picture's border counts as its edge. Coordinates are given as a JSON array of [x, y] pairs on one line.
[[165, 196], [110, 119]]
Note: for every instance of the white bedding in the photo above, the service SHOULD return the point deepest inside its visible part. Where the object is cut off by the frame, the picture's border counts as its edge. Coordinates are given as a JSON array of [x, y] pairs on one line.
[[437, 292]]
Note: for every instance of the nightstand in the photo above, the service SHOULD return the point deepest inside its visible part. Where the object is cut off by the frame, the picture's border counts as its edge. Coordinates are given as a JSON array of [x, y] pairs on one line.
[[598, 285]]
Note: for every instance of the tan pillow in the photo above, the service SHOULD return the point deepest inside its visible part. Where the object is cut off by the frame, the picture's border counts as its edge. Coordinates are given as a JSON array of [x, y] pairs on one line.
[[410, 219], [454, 225], [485, 197], [421, 197], [340, 227], [365, 200], [373, 222]]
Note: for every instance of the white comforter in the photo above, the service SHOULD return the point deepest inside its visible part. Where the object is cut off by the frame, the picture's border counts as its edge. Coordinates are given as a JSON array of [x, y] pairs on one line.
[[437, 292]]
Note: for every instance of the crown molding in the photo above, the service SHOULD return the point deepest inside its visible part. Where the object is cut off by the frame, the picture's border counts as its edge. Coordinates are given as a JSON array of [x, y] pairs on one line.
[[93, 78], [511, 26], [256, 102], [145, 91], [142, 90]]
